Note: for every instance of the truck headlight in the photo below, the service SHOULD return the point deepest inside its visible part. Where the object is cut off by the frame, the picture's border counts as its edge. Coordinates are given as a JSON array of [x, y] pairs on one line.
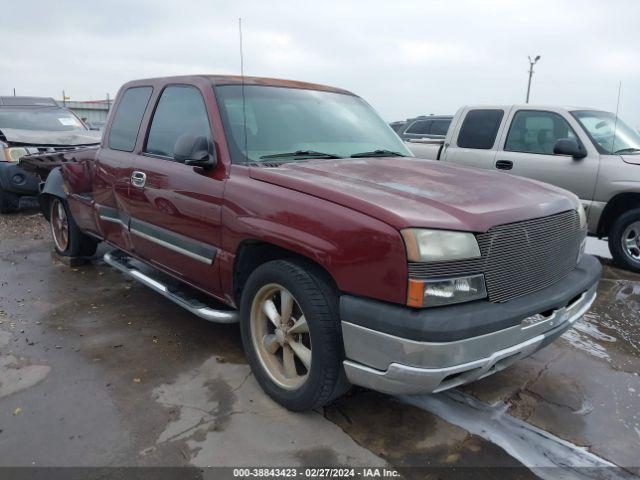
[[13, 154], [425, 245], [438, 292], [439, 245], [583, 217]]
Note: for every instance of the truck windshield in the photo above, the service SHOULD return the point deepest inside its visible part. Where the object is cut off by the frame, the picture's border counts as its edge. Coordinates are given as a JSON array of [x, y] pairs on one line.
[[45, 119], [291, 124], [608, 135]]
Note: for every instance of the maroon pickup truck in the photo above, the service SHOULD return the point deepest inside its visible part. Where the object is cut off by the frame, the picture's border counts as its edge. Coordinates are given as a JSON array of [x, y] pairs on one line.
[[294, 209]]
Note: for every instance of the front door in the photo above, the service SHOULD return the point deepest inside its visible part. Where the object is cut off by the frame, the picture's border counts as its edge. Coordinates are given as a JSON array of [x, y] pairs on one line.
[[175, 208], [527, 151]]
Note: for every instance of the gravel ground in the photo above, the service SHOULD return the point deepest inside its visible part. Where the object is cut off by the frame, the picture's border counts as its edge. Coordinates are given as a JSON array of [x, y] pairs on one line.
[[26, 226]]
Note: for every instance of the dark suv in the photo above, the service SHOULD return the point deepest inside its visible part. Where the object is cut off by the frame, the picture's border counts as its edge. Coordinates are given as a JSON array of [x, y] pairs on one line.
[[431, 126], [33, 125]]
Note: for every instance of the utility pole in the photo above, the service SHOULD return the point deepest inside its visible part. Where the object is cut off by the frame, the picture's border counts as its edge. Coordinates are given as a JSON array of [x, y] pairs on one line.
[[14, 92], [64, 99], [108, 102], [531, 64]]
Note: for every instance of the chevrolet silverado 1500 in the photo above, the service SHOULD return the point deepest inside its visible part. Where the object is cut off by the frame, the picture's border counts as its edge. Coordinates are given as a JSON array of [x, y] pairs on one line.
[[591, 153], [294, 209]]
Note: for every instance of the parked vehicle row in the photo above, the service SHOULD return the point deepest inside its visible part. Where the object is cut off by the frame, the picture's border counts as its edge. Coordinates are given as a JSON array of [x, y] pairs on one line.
[[32, 125], [591, 153], [294, 209]]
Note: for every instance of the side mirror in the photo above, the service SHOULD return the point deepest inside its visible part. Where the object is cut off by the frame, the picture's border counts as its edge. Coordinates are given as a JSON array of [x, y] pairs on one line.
[[568, 146], [195, 151]]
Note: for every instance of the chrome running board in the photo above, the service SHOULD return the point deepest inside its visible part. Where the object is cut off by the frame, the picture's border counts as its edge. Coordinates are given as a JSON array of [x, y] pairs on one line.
[[183, 296]]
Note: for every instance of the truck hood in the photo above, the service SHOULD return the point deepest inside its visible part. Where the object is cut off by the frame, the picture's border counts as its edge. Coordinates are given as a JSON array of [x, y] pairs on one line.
[[410, 192], [46, 138], [633, 159]]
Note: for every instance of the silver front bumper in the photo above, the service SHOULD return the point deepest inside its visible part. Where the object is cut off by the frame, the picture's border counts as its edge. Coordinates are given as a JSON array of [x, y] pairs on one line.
[[391, 364]]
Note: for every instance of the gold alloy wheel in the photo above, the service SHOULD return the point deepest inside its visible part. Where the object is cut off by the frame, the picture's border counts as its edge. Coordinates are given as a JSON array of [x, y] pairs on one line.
[[280, 336], [59, 225]]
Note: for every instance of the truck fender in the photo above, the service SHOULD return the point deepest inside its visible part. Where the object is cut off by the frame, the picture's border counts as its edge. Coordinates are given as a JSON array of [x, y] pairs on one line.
[[617, 205], [53, 187]]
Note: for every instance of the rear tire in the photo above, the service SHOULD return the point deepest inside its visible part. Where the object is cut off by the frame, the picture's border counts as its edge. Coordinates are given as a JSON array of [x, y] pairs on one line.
[[299, 366], [9, 202], [68, 240], [624, 240]]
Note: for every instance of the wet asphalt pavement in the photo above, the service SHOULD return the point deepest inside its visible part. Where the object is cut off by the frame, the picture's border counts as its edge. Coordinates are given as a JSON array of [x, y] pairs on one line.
[[98, 371]]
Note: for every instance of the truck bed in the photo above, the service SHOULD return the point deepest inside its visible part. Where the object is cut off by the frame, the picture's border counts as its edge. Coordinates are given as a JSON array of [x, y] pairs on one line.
[[428, 148], [41, 164]]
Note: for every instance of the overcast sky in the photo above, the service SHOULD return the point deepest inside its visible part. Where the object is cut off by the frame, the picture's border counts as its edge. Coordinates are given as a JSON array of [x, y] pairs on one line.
[[405, 57]]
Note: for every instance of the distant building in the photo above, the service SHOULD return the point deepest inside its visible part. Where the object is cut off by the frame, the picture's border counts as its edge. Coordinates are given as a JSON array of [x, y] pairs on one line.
[[90, 111]]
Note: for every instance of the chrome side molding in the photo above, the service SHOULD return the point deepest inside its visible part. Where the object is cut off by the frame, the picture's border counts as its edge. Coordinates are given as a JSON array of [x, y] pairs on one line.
[[120, 261]]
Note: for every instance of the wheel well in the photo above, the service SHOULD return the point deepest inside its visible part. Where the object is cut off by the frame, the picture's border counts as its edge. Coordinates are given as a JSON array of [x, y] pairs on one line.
[[618, 205], [44, 199], [251, 254]]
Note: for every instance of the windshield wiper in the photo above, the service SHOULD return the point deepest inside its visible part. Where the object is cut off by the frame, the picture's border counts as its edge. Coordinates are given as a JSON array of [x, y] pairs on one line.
[[628, 150], [302, 153], [377, 153]]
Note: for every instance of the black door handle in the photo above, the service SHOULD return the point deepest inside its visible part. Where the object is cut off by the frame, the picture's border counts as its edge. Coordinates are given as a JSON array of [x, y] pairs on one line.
[[504, 164]]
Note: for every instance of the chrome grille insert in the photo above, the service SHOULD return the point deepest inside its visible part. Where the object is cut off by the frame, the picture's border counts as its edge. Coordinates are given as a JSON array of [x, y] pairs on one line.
[[517, 258]]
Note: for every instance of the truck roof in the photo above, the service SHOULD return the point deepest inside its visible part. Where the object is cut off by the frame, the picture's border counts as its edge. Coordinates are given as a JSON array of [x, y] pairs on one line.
[[238, 80], [525, 106], [27, 102]]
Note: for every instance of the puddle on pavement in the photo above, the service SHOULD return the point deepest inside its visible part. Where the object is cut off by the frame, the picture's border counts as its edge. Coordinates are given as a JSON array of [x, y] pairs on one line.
[[586, 336], [541, 451], [611, 329], [17, 373], [408, 436]]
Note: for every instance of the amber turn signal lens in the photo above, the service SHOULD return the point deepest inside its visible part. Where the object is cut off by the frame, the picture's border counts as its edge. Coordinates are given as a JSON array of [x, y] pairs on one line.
[[415, 293]]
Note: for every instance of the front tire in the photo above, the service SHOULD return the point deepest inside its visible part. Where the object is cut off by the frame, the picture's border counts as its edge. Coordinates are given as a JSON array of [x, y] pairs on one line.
[[624, 240], [68, 240], [291, 334]]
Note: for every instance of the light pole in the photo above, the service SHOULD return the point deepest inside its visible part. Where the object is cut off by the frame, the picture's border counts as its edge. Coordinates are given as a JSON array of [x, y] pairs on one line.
[[531, 64]]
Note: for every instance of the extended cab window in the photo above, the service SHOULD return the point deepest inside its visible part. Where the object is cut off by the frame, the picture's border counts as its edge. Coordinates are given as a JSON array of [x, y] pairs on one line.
[[180, 111], [534, 131], [480, 128], [421, 127], [128, 116]]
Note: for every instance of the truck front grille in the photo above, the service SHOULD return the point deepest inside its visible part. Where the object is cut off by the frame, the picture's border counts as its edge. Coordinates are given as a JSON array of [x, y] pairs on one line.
[[517, 258]]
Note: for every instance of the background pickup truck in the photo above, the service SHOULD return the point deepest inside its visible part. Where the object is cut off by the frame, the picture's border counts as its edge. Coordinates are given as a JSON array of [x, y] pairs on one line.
[[589, 152], [294, 209]]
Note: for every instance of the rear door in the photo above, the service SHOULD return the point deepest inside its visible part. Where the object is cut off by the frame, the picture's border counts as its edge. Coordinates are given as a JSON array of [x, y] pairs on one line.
[[114, 166], [527, 150], [175, 208], [474, 139]]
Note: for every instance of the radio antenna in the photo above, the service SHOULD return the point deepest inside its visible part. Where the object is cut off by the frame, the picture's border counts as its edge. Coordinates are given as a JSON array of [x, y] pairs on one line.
[[615, 124], [244, 109]]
